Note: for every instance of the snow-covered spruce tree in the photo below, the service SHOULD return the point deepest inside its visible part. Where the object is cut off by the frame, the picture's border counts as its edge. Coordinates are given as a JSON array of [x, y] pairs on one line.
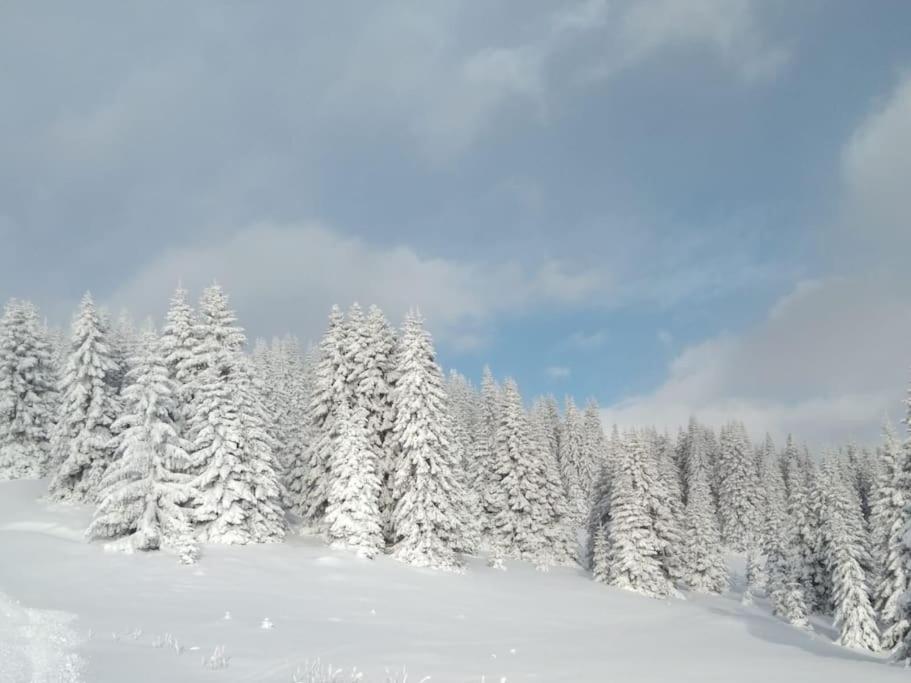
[[804, 522], [903, 650], [147, 487], [704, 566], [549, 420], [28, 393], [782, 565], [484, 477], [265, 360], [559, 535], [293, 374], [480, 479], [430, 515], [371, 366], [599, 513], [665, 508], [855, 517], [819, 594], [669, 474], [312, 477], [124, 342], [572, 452], [738, 506], [178, 340], [277, 366], [521, 513], [490, 402], [59, 346], [353, 512], [595, 451], [858, 467], [89, 405], [854, 616], [773, 495], [462, 407], [237, 488], [633, 546], [888, 519]]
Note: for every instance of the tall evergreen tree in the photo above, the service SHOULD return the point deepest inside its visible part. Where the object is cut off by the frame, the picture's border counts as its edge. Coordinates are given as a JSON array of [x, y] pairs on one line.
[[854, 616], [889, 519], [518, 494], [773, 496], [89, 406], [429, 517], [353, 511], [737, 488], [238, 490], [572, 454], [178, 341], [313, 476], [560, 542], [295, 435], [594, 451], [28, 393], [803, 520], [146, 489], [664, 503], [704, 566], [903, 649], [634, 548], [371, 358], [782, 565], [815, 546]]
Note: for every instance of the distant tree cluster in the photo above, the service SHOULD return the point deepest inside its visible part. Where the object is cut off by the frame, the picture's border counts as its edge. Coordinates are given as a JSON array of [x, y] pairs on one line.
[[180, 437]]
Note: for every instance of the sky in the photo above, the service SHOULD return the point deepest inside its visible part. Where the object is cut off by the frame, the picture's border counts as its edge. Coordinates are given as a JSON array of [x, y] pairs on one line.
[[676, 208]]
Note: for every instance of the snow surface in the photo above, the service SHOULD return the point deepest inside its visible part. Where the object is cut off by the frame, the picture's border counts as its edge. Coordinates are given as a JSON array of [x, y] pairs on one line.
[[133, 613]]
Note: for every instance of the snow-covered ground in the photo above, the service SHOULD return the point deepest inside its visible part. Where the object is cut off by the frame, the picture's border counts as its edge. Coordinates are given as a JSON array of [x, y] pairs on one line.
[[69, 611]]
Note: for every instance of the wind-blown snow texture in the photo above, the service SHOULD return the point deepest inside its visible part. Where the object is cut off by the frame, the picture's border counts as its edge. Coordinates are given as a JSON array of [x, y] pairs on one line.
[[520, 624]]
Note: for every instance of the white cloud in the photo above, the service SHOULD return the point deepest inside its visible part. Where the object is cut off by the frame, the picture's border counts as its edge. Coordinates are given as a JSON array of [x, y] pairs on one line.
[[832, 357], [285, 277], [557, 372], [827, 364]]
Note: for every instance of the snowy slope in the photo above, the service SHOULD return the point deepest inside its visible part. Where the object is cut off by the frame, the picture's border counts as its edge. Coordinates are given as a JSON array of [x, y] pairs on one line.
[[519, 624]]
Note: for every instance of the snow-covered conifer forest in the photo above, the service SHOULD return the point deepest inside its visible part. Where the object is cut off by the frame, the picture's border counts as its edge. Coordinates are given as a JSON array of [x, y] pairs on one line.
[[133, 460]]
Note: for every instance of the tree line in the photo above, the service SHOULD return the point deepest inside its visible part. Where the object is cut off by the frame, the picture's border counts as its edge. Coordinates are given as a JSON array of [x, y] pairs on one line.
[[180, 436]]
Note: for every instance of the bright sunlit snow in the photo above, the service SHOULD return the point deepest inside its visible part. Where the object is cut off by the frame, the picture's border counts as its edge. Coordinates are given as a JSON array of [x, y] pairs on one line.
[[146, 618]]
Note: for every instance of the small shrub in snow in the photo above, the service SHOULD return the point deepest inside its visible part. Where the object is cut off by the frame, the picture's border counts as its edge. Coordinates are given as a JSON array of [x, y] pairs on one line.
[[317, 672], [167, 641], [217, 660]]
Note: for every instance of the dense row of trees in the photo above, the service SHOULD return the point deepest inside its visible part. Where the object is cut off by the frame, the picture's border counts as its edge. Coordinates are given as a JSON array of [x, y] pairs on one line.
[[181, 436]]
